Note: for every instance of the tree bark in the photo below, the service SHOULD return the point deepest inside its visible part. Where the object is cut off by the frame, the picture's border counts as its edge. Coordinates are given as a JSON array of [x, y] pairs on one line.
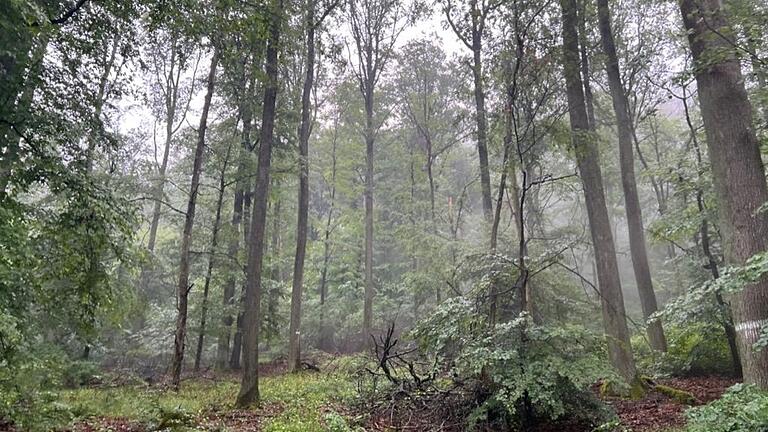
[[737, 169], [584, 54], [183, 287], [245, 207], [294, 343], [728, 329], [637, 245], [249, 386], [369, 289], [480, 115], [587, 157]]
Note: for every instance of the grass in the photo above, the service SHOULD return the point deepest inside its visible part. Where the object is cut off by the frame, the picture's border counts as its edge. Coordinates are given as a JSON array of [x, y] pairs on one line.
[[302, 397]]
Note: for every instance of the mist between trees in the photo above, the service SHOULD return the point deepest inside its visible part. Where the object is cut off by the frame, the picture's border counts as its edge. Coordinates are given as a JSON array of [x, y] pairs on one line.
[[189, 187]]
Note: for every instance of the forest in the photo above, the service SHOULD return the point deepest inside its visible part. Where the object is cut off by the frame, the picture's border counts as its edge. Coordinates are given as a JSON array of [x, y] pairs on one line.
[[383, 215]]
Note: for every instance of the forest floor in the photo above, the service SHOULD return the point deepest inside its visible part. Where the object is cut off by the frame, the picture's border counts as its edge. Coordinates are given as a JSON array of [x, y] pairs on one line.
[[319, 401]]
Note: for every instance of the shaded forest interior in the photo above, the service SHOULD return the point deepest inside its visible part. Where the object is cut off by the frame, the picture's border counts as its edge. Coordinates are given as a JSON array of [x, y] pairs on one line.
[[377, 215]]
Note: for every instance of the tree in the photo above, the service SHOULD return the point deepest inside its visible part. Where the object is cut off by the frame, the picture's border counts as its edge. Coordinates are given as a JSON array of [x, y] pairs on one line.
[[375, 26], [171, 65], [587, 157], [294, 348], [244, 89], [631, 200], [471, 31], [211, 258], [183, 287], [249, 385], [737, 169]]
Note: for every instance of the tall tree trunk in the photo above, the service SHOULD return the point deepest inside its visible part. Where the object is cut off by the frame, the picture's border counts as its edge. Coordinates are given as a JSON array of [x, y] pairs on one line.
[[325, 342], [294, 343], [249, 386], [183, 287], [369, 141], [637, 245], [94, 250], [587, 157], [171, 104], [234, 242], [584, 55], [211, 258], [727, 319], [728, 328], [246, 185], [237, 340], [737, 169], [493, 298], [480, 115]]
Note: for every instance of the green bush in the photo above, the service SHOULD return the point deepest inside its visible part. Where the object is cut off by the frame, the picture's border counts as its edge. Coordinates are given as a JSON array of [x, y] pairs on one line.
[[335, 422], [30, 387], [743, 408], [26, 399], [527, 369], [79, 373], [697, 349]]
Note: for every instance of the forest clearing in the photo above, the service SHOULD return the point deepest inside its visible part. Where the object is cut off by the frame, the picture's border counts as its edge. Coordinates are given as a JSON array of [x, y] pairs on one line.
[[384, 215]]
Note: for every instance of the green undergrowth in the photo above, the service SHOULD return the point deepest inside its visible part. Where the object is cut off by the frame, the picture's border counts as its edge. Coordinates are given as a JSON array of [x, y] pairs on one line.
[[305, 401]]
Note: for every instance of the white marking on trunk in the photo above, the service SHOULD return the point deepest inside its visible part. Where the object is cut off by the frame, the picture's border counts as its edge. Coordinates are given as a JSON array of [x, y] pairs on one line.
[[751, 329], [751, 325]]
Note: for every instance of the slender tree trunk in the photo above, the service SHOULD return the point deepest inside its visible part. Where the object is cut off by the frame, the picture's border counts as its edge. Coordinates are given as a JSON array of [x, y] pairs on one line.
[[94, 250], [171, 102], [237, 340], [637, 245], [493, 289], [234, 242], [480, 115], [737, 169], [211, 259], [249, 386], [241, 185], [369, 141], [276, 243], [183, 287], [324, 343], [294, 343], [614, 318], [585, 74], [730, 331]]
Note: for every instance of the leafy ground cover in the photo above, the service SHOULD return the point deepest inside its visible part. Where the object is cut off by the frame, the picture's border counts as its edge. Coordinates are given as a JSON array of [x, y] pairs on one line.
[[290, 402], [317, 402], [329, 401]]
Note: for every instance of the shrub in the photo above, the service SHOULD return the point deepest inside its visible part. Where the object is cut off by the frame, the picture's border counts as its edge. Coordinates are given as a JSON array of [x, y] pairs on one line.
[[743, 408], [697, 349], [25, 398], [526, 369], [79, 373]]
